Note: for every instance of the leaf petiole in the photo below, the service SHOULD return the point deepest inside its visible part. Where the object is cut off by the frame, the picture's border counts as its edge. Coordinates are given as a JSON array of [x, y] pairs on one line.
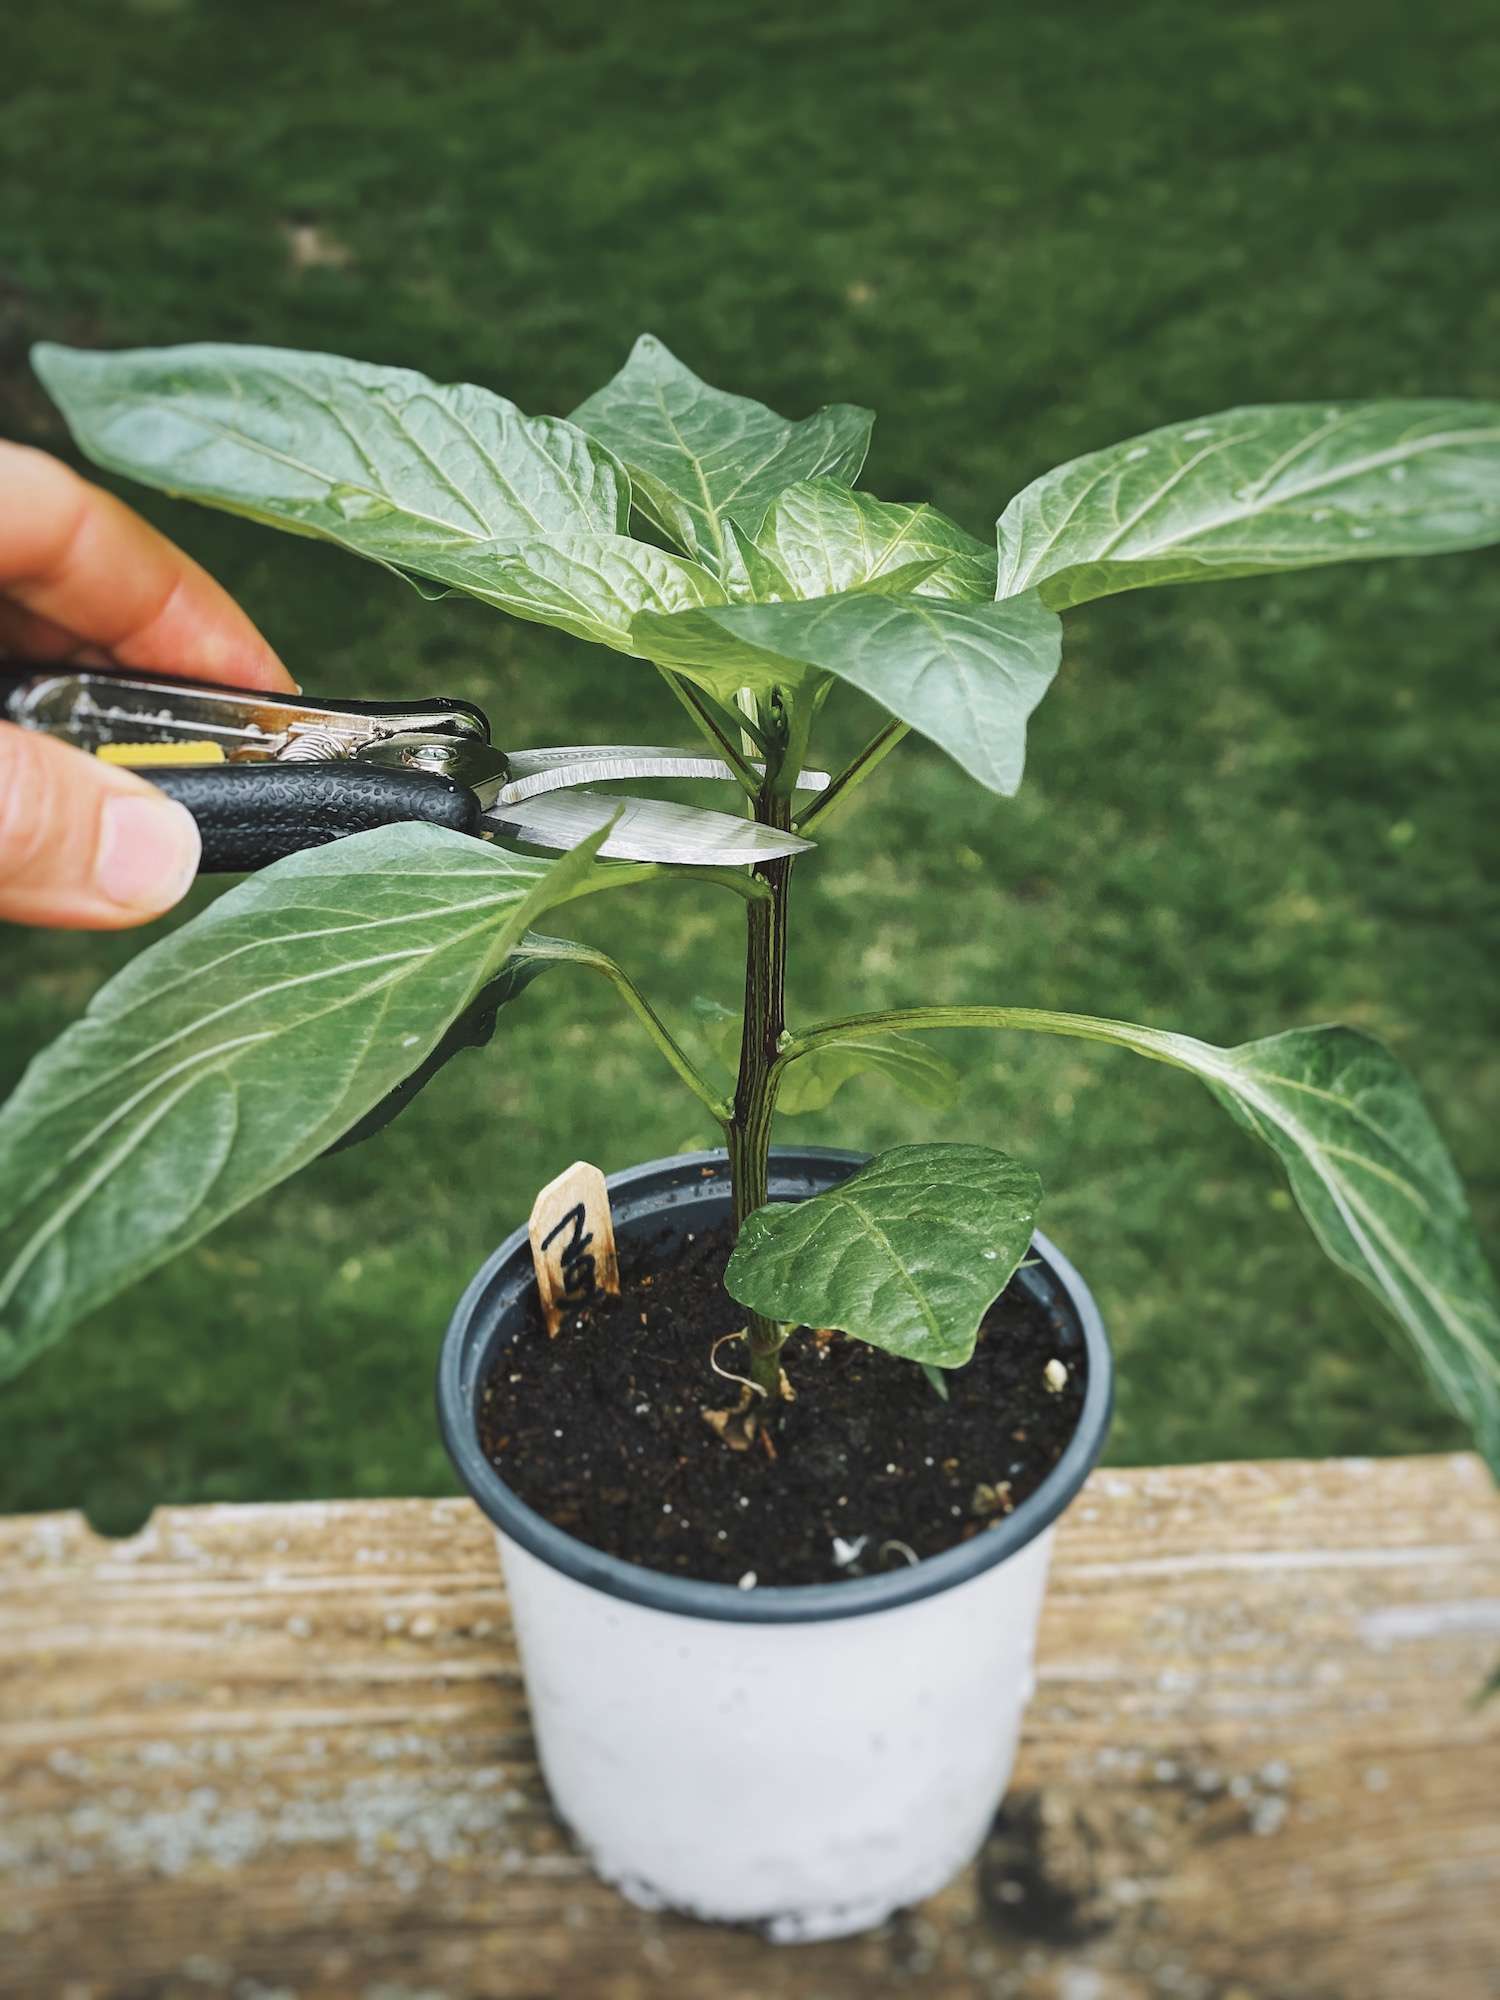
[[854, 773], [565, 951], [712, 721]]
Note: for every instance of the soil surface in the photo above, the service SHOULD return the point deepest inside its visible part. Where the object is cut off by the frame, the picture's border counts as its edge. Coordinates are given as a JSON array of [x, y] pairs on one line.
[[602, 1430]]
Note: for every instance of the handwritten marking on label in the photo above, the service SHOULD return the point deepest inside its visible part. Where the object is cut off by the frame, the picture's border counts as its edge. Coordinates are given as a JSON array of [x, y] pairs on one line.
[[572, 1242]]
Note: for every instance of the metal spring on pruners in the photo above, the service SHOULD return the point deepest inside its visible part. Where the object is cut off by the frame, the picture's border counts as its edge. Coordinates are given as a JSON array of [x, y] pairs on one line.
[[313, 746]]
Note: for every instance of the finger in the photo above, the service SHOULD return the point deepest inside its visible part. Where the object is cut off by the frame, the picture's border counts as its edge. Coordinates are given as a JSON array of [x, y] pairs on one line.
[[73, 554], [25, 636], [86, 845]]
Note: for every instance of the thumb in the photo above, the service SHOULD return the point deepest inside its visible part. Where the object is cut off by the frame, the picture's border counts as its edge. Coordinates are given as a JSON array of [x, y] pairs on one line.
[[85, 845]]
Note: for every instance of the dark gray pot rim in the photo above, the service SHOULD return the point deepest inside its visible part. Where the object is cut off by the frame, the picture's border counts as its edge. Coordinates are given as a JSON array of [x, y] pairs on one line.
[[786, 1604]]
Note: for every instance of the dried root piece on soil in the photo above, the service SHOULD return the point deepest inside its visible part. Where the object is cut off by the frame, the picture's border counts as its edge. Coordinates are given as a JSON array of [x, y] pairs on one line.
[[991, 1498], [903, 1549], [736, 1428]]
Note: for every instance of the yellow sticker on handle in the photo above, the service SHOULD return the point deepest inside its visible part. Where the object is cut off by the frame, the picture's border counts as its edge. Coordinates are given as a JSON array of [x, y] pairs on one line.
[[134, 754]]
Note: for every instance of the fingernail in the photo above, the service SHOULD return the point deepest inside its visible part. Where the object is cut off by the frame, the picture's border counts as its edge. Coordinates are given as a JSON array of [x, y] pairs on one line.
[[148, 852]]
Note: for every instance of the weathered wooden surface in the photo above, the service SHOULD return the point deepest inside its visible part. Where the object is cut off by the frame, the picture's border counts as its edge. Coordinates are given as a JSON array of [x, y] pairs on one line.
[[281, 1751]]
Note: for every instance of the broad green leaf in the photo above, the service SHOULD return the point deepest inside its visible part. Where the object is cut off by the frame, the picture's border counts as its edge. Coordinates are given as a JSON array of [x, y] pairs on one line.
[[907, 1253], [451, 484], [825, 538], [696, 455], [1366, 1163], [1272, 487], [472, 1029], [965, 675], [238, 1048], [1376, 1183], [590, 585], [380, 460], [903, 1061]]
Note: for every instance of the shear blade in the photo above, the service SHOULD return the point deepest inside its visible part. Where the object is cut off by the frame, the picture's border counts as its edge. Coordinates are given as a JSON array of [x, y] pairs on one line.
[[533, 772], [647, 830]]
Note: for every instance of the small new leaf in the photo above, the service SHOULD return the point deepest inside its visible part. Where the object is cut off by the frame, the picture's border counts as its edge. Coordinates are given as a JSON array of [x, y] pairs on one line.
[[824, 538], [240, 1047], [812, 1083], [966, 675], [1275, 487], [696, 455], [906, 1254], [899, 1060], [748, 573]]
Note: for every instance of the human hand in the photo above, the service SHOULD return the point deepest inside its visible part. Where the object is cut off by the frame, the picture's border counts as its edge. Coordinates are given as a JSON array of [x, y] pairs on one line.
[[87, 845]]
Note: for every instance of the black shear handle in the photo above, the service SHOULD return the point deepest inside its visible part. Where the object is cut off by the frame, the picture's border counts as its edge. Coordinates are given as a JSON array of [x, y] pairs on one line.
[[252, 814]]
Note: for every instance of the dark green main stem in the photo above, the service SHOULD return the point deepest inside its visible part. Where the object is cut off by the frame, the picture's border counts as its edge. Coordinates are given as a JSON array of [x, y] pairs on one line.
[[749, 1129]]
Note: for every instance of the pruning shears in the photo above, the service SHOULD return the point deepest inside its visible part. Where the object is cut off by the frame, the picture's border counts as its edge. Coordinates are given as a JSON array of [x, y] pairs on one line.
[[266, 775]]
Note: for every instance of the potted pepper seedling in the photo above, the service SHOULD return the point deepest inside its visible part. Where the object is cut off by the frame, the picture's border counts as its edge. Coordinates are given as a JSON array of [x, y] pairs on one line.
[[775, 1514]]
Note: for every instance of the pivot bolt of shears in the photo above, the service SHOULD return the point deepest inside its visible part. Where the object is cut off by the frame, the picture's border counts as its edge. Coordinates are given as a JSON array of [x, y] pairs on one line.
[[427, 756]]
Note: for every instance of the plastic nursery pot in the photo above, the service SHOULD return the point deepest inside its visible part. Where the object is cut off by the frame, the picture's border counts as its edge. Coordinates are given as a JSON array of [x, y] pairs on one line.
[[807, 1759]]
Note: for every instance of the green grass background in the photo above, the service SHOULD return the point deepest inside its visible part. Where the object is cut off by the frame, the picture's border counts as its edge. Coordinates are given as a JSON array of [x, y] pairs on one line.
[[1018, 233]]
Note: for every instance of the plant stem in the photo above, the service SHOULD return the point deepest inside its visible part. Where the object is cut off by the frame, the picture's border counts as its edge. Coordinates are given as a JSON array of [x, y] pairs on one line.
[[854, 773], [625, 874], [706, 716], [749, 1129], [566, 952]]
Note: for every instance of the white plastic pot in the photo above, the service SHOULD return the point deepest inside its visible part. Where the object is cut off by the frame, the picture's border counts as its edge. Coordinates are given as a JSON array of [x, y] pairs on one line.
[[807, 1759]]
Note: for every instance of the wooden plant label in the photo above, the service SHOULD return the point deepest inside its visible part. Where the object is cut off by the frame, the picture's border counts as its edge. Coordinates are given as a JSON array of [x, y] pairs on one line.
[[572, 1242]]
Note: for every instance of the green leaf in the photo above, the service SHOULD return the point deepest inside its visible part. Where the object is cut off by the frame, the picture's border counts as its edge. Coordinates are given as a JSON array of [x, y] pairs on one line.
[[965, 675], [590, 585], [1376, 1183], [748, 572], [824, 538], [1366, 1163], [474, 1028], [907, 1254], [238, 1048], [718, 1032], [1273, 487], [696, 455], [449, 483], [903, 1061], [899, 1060], [380, 460], [937, 1381]]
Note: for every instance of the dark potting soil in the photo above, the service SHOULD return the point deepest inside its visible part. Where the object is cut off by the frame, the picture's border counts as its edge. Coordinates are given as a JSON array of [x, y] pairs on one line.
[[602, 1430]]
